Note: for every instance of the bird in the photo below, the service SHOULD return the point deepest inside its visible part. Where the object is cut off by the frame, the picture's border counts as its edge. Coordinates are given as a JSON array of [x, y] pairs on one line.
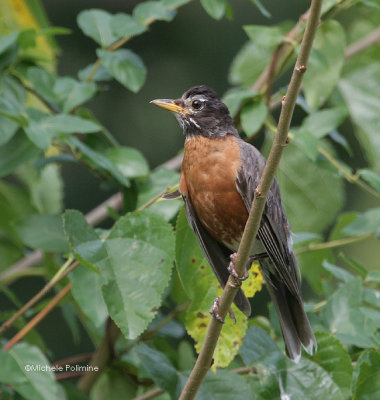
[[220, 172]]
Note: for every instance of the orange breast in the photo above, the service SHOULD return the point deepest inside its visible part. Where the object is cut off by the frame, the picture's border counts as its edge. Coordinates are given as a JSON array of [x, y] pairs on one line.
[[208, 178]]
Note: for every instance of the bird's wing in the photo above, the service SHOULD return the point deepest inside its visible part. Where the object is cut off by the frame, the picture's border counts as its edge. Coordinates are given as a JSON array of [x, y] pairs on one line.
[[274, 231], [216, 253]]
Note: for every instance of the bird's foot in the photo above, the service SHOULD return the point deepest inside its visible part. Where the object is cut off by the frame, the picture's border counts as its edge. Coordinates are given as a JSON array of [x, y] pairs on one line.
[[214, 310], [232, 271]]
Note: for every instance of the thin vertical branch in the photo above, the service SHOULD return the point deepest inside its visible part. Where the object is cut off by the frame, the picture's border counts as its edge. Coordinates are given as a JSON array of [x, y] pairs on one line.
[[204, 360]]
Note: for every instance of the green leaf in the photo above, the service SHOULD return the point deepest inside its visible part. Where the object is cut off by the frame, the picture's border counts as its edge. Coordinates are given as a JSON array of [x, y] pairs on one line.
[[307, 143], [366, 381], [343, 220], [12, 101], [259, 349], [130, 162], [149, 11], [262, 9], [42, 131], [101, 73], [343, 316], [303, 188], [256, 54], [224, 385], [201, 287], [97, 25], [125, 66], [66, 93], [112, 385], [172, 4], [327, 374], [268, 37], [338, 272], [159, 180], [99, 161], [43, 82], [373, 276], [140, 251], [87, 285], [8, 41], [235, 98], [320, 123], [42, 231], [321, 78], [124, 25], [34, 384], [371, 296], [84, 242], [368, 221], [253, 116], [8, 49], [16, 152], [215, 8], [370, 177], [73, 93], [45, 186], [361, 91], [14, 204], [160, 369]]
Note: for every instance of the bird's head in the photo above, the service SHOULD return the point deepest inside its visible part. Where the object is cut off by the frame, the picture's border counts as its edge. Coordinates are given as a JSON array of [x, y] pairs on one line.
[[200, 112]]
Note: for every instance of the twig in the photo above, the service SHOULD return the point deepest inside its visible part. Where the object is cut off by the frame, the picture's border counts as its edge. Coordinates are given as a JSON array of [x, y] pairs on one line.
[[101, 358], [203, 362], [352, 178], [68, 375], [72, 360], [150, 394], [334, 243], [63, 272], [284, 50], [150, 333], [363, 43], [40, 316]]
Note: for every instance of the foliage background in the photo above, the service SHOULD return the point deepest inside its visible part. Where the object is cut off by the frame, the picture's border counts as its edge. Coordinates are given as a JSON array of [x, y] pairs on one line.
[[195, 49]]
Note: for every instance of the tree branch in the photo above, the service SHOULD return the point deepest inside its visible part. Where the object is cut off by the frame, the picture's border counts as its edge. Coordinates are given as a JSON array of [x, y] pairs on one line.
[[62, 273], [334, 243], [204, 360], [363, 43], [40, 316], [101, 358]]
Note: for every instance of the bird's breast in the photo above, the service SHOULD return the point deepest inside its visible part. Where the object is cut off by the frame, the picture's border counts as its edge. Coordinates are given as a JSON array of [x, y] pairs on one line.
[[208, 179]]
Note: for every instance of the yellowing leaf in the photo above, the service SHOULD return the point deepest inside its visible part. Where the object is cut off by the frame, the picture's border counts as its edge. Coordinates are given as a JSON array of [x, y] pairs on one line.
[[202, 287], [255, 281]]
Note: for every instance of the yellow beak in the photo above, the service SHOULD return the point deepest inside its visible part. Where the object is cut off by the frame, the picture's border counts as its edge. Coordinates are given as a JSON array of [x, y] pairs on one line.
[[170, 105]]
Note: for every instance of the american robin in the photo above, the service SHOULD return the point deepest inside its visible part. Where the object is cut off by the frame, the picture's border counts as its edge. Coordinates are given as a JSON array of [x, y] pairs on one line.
[[220, 172]]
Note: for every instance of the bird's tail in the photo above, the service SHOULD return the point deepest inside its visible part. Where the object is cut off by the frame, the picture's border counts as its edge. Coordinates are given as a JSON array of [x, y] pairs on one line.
[[295, 326], [242, 303]]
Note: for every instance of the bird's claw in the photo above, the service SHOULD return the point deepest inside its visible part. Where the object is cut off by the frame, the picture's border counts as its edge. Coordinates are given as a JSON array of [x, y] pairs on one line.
[[214, 310], [232, 271]]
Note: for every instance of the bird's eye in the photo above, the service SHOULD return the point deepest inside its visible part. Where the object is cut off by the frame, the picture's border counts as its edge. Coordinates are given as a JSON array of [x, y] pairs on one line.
[[196, 104]]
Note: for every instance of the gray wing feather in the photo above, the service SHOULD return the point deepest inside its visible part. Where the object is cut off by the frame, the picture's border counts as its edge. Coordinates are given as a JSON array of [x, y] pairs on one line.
[[274, 224]]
